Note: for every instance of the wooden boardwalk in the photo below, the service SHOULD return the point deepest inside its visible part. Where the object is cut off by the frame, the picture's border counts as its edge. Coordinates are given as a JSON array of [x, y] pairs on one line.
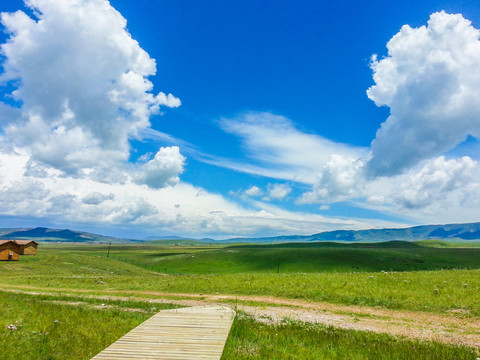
[[191, 333]]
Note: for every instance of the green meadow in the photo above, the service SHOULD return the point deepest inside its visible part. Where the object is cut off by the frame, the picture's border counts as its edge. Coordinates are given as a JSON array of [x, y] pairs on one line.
[[430, 277], [308, 258], [443, 278]]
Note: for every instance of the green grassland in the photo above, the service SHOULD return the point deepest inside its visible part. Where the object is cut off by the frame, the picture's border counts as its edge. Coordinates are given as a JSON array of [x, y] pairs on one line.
[[431, 277], [129, 268], [308, 258]]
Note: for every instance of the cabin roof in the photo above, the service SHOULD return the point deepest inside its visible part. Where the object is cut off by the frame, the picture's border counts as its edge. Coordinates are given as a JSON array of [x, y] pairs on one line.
[[18, 242], [7, 241], [25, 242]]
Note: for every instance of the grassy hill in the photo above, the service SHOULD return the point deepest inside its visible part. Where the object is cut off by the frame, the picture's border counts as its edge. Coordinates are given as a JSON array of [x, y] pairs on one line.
[[300, 257]]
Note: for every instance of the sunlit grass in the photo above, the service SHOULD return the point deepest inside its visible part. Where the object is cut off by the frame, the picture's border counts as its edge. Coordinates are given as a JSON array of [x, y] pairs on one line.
[[294, 340], [43, 329]]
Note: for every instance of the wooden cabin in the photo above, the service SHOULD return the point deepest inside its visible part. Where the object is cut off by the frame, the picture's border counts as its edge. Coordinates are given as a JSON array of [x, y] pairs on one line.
[[27, 247], [9, 250]]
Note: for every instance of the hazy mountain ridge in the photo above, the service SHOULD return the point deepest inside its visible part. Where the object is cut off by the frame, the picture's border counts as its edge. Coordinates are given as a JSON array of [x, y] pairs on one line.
[[468, 231], [57, 235]]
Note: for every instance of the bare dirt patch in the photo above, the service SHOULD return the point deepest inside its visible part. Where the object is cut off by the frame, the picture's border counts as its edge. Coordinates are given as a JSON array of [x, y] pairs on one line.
[[93, 306]]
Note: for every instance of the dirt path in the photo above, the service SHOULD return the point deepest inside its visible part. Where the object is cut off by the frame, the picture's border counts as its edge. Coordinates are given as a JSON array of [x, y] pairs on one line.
[[453, 328]]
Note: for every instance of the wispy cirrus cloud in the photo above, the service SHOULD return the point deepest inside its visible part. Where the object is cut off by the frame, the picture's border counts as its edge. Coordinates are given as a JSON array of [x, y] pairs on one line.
[[273, 147], [281, 150]]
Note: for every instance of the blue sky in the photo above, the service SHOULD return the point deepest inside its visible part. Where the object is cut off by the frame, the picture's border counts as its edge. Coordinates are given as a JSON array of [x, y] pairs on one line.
[[268, 130]]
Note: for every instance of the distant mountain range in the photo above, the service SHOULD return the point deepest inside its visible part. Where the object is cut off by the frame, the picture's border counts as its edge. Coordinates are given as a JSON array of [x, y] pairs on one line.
[[470, 231], [55, 235]]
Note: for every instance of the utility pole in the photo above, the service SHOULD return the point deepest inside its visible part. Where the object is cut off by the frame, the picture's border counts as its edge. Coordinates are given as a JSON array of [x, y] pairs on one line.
[[108, 253]]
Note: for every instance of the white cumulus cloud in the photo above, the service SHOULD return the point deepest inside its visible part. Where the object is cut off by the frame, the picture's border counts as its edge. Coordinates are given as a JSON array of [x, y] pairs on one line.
[[254, 191], [82, 82], [430, 80], [97, 198], [278, 191], [341, 178], [435, 190], [434, 182], [163, 169]]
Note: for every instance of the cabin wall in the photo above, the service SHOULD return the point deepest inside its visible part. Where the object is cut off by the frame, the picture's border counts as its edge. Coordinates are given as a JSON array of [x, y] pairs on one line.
[[29, 250], [5, 254]]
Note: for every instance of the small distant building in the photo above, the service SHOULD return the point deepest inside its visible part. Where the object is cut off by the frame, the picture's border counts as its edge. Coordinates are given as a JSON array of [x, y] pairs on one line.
[[27, 247], [9, 250]]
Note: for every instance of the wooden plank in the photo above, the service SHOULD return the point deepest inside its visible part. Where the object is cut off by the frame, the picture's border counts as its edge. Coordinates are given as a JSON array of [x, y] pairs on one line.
[[192, 333]]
